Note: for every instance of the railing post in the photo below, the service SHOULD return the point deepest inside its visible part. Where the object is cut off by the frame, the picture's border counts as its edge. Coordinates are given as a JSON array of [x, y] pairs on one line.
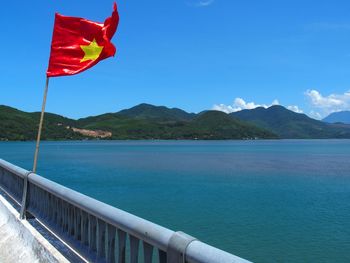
[[23, 213], [178, 243]]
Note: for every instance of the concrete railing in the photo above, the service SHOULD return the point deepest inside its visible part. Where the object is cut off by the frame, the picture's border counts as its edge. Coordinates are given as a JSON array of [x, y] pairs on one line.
[[100, 232]]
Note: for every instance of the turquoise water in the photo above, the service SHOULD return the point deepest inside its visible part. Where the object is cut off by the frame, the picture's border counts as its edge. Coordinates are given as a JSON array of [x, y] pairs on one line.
[[266, 201]]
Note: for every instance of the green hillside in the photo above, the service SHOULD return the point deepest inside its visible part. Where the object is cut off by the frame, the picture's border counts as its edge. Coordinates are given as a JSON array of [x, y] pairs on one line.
[[172, 124], [140, 122], [219, 125], [291, 125], [147, 111], [146, 121], [341, 116], [18, 125]]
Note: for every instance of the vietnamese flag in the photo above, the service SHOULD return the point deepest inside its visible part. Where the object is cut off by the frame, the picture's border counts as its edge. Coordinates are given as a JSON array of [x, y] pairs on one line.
[[78, 43]]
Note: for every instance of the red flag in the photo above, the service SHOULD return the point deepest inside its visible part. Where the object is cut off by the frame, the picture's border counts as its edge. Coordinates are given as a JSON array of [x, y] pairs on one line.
[[78, 43]]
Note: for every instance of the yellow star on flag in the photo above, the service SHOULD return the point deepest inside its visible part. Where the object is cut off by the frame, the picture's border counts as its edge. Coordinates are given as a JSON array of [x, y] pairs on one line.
[[92, 51]]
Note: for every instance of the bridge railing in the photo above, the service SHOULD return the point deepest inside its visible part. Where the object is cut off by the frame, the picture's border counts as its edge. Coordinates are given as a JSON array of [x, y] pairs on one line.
[[100, 232]]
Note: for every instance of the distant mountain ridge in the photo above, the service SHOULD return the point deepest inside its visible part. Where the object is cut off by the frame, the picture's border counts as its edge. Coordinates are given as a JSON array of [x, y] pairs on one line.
[[290, 125], [19, 125], [341, 116], [148, 111], [143, 121], [147, 121]]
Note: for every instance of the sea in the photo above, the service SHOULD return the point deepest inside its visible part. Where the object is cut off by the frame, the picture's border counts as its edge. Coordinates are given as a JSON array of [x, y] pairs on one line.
[[262, 200]]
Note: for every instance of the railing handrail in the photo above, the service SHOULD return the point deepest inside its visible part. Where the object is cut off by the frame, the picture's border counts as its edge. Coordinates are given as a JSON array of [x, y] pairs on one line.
[[13, 168], [154, 234]]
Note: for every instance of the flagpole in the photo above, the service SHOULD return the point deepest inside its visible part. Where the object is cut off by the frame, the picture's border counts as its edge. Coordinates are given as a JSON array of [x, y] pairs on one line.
[[40, 125]]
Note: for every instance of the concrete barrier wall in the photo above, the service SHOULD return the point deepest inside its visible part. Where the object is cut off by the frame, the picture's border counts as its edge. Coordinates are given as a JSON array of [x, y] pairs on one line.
[[20, 242]]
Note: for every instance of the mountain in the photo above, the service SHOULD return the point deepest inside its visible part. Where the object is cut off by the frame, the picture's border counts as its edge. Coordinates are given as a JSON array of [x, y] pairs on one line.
[[148, 111], [172, 124], [291, 125], [140, 122], [341, 116], [146, 121], [19, 125], [219, 125]]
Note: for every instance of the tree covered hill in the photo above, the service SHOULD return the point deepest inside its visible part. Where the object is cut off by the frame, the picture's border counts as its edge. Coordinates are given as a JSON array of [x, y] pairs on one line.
[[148, 111], [219, 125], [146, 121], [19, 125], [290, 125], [172, 124], [140, 122], [341, 116]]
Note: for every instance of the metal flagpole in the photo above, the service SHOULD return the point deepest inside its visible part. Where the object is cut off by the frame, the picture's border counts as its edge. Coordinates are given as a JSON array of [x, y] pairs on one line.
[[40, 126]]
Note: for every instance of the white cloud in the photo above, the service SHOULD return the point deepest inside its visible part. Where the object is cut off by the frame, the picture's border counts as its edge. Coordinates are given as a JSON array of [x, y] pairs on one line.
[[321, 106], [327, 104], [331, 101], [274, 102], [240, 104], [205, 2], [223, 107], [315, 115], [295, 108], [200, 3]]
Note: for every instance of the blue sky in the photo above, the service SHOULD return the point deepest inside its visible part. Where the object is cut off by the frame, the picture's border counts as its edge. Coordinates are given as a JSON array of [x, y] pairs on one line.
[[191, 54]]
